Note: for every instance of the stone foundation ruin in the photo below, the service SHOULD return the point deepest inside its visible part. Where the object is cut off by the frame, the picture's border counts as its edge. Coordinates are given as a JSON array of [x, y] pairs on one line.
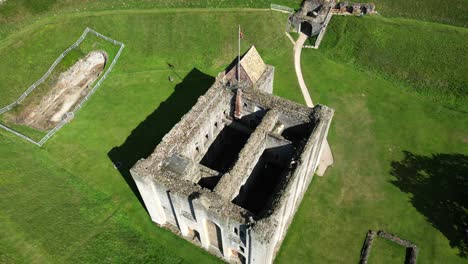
[[232, 173], [71, 86], [314, 15], [310, 19], [349, 8], [411, 249]]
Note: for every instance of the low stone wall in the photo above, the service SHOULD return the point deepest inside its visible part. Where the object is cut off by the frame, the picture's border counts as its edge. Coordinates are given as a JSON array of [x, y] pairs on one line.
[[411, 249], [366, 248]]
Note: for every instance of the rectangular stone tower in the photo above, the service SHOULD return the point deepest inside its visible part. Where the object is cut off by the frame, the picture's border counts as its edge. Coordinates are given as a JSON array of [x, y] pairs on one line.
[[232, 173]]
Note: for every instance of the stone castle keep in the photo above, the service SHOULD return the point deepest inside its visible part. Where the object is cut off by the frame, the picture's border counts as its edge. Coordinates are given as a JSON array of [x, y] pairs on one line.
[[232, 173]]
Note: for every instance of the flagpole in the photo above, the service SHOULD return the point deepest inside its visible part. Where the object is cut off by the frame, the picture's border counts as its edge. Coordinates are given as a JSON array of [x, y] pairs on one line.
[[238, 55]]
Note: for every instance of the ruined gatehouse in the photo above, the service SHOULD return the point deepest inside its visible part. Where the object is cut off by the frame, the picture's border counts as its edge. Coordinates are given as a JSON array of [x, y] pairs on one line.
[[232, 172], [311, 18]]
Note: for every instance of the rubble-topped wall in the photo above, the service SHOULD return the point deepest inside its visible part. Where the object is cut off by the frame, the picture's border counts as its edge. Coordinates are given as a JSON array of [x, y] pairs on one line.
[[229, 186], [350, 8], [171, 142]]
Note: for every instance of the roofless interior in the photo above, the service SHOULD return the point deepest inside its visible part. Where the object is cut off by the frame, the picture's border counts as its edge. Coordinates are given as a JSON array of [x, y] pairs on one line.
[[270, 169], [273, 162], [224, 150]]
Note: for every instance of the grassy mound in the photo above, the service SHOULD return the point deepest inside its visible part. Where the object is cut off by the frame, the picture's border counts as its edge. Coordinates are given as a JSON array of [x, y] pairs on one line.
[[431, 58], [453, 12]]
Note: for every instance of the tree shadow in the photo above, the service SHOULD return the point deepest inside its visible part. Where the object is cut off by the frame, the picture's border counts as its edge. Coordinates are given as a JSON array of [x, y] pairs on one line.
[[439, 188], [146, 136]]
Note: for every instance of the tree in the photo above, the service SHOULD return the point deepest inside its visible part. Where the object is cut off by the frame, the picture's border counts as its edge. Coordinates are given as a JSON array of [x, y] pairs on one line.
[[439, 188]]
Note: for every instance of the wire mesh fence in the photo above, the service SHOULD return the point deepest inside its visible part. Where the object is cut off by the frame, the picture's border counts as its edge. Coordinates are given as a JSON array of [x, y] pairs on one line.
[[68, 116], [281, 8]]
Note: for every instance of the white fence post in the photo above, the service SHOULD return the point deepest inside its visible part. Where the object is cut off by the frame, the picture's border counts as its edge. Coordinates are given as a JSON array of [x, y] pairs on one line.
[[281, 8]]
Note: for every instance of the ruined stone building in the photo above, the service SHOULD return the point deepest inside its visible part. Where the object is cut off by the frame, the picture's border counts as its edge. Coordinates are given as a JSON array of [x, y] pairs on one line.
[[355, 8], [232, 172], [310, 19]]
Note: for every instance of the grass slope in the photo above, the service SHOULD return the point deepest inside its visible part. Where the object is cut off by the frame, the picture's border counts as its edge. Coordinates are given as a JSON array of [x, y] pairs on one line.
[[453, 12], [430, 58]]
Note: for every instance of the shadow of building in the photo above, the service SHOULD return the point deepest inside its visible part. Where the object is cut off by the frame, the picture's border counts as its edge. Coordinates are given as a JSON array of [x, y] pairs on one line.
[[439, 188], [146, 136]]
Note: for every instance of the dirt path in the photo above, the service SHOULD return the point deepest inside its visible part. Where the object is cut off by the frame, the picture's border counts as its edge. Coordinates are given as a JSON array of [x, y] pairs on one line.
[[297, 65], [326, 158]]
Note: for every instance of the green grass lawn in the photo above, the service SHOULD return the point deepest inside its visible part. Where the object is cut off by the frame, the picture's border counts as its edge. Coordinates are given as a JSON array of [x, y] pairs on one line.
[[65, 202], [385, 251], [375, 122], [453, 12]]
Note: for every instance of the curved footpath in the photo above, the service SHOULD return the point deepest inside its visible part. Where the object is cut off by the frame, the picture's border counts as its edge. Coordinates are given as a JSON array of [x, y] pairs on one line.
[[297, 66], [326, 158]]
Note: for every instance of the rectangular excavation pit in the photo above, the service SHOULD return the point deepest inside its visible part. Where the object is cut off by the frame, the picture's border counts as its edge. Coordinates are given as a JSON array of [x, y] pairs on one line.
[[52, 101], [63, 92], [264, 178]]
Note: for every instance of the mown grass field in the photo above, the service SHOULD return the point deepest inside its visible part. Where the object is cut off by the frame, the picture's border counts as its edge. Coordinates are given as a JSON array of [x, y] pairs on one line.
[[385, 251], [65, 202]]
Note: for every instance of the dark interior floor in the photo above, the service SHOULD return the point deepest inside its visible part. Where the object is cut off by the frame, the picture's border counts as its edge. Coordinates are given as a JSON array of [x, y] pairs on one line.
[[223, 152], [265, 177]]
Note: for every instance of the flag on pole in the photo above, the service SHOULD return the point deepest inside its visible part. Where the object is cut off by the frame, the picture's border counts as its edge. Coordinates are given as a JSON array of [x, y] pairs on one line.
[[241, 35]]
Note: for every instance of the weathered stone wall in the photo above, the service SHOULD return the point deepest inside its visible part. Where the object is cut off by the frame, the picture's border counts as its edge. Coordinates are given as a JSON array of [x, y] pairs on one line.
[[229, 185], [366, 248], [412, 249], [204, 132], [265, 83], [271, 231]]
